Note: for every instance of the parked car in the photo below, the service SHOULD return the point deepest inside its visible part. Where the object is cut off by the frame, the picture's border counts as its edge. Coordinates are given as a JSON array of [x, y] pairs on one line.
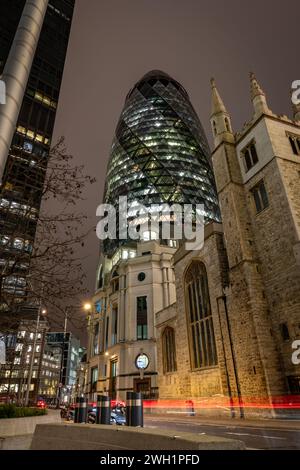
[[118, 416], [41, 404]]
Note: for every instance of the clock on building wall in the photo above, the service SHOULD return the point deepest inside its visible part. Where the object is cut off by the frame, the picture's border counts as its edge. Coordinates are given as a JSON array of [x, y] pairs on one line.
[[142, 361]]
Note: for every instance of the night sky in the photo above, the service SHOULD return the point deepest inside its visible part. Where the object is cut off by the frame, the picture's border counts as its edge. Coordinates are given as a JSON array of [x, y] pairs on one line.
[[115, 42]]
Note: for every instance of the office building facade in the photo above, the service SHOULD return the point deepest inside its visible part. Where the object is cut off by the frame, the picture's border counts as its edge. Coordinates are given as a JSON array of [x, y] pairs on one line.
[[159, 158], [23, 179]]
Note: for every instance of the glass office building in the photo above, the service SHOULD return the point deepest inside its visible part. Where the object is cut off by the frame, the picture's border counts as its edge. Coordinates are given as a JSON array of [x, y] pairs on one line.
[[21, 190], [70, 346], [160, 153]]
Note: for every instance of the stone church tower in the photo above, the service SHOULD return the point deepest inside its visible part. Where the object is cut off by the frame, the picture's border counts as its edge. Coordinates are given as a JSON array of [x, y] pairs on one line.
[[230, 334], [257, 174]]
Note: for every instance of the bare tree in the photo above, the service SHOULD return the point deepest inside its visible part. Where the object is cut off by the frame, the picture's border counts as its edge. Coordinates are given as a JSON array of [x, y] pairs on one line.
[[48, 270]]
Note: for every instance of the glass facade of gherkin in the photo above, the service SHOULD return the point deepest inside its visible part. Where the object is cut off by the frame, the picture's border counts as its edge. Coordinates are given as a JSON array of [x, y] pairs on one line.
[[160, 153]]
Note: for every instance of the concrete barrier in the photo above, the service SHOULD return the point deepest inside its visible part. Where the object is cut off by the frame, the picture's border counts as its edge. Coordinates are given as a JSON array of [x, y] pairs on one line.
[[16, 442], [99, 437], [22, 426]]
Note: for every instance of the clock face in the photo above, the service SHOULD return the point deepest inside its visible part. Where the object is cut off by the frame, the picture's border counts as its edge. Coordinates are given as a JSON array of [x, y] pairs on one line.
[[142, 361]]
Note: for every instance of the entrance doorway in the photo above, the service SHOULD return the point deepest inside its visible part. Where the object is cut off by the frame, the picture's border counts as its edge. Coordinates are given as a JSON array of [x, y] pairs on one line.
[[142, 386]]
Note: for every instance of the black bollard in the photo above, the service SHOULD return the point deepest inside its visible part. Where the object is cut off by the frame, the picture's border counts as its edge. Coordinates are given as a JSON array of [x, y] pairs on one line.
[[76, 411], [134, 409], [128, 408], [82, 411], [103, 410]]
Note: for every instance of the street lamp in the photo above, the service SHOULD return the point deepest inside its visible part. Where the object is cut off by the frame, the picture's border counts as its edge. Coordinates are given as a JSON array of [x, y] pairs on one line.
[[87, 307]]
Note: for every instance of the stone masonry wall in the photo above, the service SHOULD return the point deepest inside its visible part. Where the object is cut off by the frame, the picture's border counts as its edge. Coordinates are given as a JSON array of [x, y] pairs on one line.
[[185, 383]]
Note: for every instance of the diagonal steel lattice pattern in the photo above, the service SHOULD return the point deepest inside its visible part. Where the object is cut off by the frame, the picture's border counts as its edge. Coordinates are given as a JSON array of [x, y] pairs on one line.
[[160, 153]]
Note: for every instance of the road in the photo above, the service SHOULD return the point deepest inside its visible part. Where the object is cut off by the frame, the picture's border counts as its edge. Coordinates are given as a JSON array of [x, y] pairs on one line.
[[258, 435], [255, 437]]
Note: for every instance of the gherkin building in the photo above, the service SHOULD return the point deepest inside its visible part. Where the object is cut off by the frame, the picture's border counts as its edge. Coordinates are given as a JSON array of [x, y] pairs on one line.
[[160, 153]]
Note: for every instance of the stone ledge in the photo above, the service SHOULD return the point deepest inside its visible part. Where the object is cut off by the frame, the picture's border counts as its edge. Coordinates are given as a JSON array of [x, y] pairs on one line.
[[98, 437], [21, 426]]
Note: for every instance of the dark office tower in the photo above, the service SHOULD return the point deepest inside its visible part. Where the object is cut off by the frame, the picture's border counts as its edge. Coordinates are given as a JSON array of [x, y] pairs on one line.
[[21, 190], [160, 154]]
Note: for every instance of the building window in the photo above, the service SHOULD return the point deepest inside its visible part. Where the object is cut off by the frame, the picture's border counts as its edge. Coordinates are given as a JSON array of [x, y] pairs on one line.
[[294, 384], [96, 340], [106, 333], [147, 236], [98, 306], [100, 278], [250, 156], [260, 197], [169, 350], [285, 334], [215, 128], [141, 318], [227, 125], [199, 317], [114, 336], [94, 378], [115, 282], [295, 143]]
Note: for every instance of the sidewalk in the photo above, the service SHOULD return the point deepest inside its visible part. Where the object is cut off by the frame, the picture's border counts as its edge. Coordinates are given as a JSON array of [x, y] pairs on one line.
[[16, 443]]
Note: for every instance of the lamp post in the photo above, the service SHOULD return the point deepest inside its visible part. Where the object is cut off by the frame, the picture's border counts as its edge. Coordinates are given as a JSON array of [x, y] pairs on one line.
[[88, 309]]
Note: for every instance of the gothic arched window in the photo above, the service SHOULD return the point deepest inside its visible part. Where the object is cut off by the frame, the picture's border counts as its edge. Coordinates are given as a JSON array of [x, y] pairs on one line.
[[215, 128], [199, 317], [227, 125], [100, 278], [169, 350]]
